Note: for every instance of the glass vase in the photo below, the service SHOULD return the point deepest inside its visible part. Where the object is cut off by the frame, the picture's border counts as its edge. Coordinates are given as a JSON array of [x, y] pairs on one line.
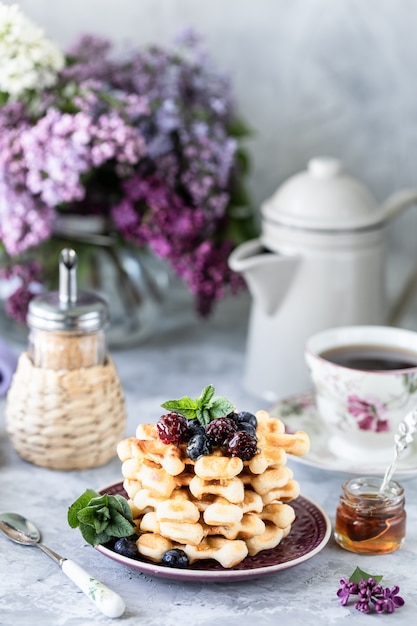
[[133, 283], [131, 280]]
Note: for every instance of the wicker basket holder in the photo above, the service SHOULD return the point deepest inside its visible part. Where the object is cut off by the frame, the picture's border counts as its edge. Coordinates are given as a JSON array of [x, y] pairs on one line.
[[65, 420]]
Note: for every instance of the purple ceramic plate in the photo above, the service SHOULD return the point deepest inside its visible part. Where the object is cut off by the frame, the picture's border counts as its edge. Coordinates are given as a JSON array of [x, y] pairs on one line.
[[309, 534]]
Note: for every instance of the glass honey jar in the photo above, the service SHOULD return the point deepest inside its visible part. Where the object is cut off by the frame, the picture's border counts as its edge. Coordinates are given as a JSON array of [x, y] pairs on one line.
[[367, 521]]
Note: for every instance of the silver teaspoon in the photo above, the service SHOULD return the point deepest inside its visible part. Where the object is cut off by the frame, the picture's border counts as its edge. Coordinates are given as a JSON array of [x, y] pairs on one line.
[[404, 436], [21, 530]]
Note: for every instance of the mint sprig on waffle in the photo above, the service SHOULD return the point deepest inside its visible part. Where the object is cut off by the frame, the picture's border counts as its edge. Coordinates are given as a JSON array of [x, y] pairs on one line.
[[205, 408]]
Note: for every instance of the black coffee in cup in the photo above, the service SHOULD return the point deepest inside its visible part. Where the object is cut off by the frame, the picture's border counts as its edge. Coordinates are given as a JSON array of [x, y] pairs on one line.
[[371, 358]]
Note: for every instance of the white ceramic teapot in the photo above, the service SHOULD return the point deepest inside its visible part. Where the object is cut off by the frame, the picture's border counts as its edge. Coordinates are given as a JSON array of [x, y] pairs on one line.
[[319, 263]]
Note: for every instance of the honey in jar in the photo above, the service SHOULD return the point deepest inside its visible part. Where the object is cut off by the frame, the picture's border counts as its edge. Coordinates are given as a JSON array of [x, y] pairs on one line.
[[367, 521]]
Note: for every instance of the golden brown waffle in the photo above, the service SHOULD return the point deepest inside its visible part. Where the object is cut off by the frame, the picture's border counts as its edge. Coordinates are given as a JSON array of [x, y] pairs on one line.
[[216, 507], [225, 551]]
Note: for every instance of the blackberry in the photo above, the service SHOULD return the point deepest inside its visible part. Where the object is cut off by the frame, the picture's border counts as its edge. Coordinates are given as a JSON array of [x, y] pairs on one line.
[[245, 416], [220, 430], [127, 546], [243, 445], [172, 428], [198, 445], [175, 558]]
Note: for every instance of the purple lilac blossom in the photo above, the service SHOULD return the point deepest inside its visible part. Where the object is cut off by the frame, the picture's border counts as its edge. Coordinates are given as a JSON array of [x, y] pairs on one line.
[[346, 590], [90, 53], [388, 600], [28, 278], [143, 140], [370, 593], [179, 234]]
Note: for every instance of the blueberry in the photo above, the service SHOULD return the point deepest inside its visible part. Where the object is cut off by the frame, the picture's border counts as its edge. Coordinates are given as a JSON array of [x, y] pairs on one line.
[[198, 445], [175, 558], [127, 546], [245, 416], [195, 428], [247, 427]]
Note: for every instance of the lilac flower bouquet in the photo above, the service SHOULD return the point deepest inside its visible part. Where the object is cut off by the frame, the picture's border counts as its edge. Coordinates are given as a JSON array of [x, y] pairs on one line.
[[150, 143]]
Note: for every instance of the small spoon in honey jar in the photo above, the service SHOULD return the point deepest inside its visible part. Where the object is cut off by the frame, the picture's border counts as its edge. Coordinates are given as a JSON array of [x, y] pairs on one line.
[[403, 438], [374, 528]]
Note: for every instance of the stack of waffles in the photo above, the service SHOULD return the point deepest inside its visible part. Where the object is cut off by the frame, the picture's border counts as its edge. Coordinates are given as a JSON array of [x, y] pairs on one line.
[[216, 507]]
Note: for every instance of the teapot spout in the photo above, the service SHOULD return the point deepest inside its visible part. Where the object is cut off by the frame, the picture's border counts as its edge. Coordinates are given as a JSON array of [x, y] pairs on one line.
[[397, 202], [392, 207], [268, 274]]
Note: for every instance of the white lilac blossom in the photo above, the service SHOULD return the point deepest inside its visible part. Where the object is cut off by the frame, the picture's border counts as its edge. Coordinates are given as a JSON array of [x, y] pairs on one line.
[[28, 61], [150, 142]]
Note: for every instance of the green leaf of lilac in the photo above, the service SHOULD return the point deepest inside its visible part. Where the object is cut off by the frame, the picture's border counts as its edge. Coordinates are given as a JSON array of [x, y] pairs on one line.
[[220, 407], [358, 574], [184, 406], [79, 504]]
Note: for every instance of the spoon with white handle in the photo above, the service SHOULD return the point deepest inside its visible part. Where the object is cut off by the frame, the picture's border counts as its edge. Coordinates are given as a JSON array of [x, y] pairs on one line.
[[404, 436], [21, 530]]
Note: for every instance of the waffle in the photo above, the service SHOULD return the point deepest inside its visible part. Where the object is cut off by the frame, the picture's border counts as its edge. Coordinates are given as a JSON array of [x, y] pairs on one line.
[[216, 507]]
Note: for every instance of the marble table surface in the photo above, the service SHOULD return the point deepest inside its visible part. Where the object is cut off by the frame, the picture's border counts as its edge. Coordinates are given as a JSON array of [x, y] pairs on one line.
[[183, 356]]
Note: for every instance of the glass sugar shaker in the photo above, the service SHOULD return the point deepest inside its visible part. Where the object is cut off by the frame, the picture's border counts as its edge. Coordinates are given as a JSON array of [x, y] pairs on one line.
[[67, 328]]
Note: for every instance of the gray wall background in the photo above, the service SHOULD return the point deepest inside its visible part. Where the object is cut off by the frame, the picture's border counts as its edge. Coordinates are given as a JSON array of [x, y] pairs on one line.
[[312, 77]]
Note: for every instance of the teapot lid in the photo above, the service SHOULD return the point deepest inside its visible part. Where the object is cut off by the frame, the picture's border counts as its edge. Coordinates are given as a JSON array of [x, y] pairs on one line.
[[323, 197]]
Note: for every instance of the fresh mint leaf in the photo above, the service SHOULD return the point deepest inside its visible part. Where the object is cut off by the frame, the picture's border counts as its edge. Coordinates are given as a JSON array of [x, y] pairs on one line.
[[79, 504], [205, 408], [359, 574], [101, 517], [203, 416], [123, 507], [91, 516], [119, 526], [184, 406], [220, 407], [90, 535], [205, 396]]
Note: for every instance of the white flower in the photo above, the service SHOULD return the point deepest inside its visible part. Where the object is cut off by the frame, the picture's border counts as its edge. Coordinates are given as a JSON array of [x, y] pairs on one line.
[[27, 59]]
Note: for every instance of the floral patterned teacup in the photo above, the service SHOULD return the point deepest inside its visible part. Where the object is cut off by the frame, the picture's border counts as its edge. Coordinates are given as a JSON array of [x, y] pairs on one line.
[[365, 379]]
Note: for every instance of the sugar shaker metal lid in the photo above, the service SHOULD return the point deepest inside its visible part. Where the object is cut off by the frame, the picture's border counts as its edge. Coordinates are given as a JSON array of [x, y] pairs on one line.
[[68, 309]]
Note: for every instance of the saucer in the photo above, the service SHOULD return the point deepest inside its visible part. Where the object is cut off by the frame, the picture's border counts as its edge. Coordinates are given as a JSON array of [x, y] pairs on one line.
[[300, 413]]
